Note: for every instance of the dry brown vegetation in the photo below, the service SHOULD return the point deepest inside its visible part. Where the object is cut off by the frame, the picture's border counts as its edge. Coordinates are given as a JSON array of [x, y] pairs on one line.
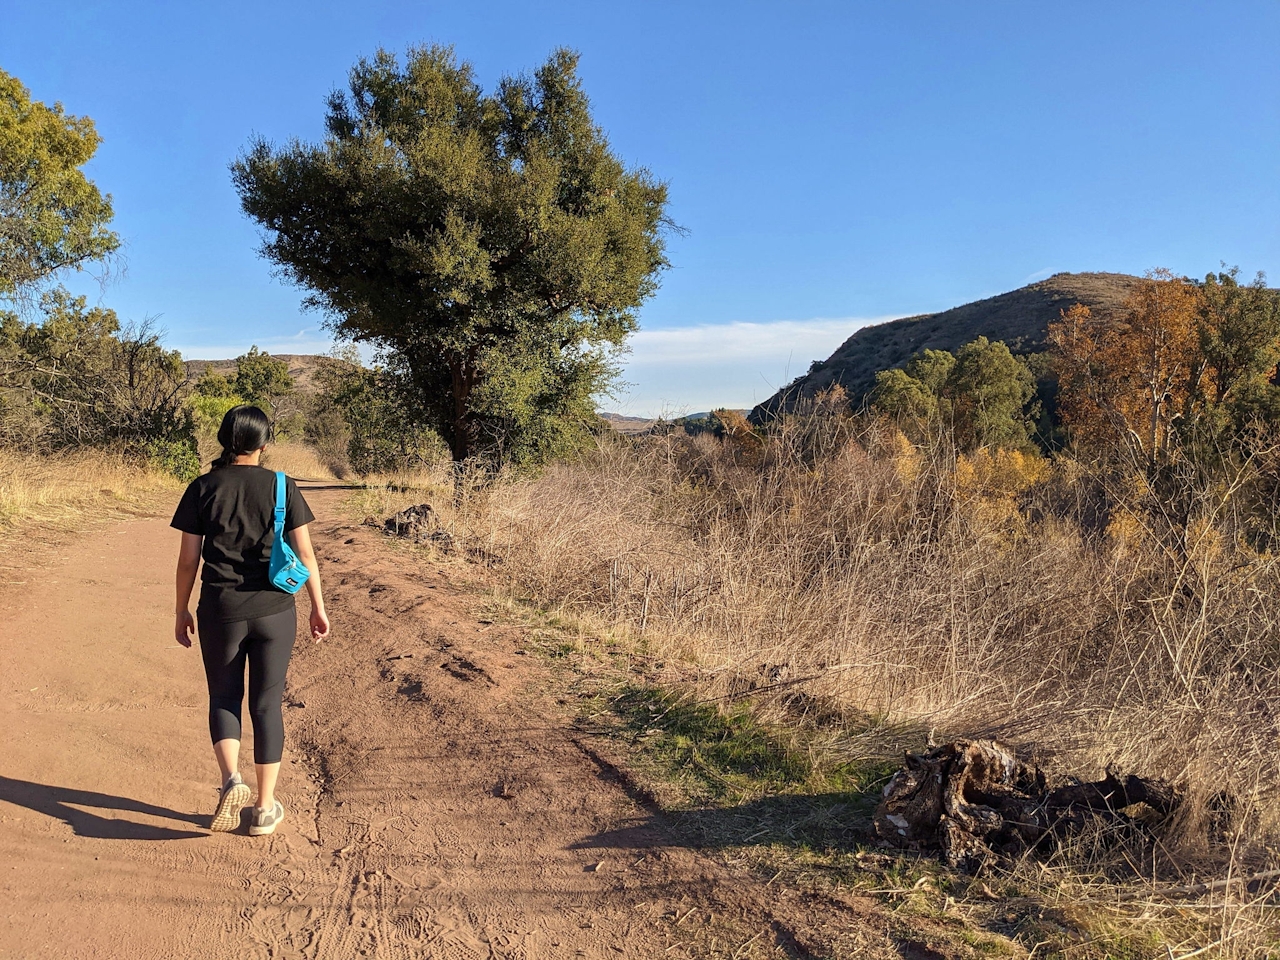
[[299, 460], [923, 595], [892, 590], [65, 489]]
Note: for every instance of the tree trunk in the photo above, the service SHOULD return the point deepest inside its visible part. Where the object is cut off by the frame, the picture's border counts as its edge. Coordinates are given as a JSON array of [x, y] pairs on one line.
[[462, 376]]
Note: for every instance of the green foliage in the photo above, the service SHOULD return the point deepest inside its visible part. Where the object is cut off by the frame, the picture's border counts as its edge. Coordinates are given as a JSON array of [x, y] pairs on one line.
[[52, 217], [981, 393], [372, 411], [261, 379], [213, 384], [207, 410], [1238, 334], [175, 456], [492, 246], [210, 399], [902, 395], [989, 389], [540, 407], [78, 379], [933, 369]]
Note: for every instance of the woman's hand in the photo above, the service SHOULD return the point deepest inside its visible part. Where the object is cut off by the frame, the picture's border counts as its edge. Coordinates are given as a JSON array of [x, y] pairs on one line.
[[184, 627], [188, 563], [319, 625], [301, 538]]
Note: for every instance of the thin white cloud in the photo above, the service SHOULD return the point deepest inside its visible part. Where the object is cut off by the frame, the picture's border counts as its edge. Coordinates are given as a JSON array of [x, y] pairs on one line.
[[1044, 274], [302, 342], [743, 341], [737, 364]]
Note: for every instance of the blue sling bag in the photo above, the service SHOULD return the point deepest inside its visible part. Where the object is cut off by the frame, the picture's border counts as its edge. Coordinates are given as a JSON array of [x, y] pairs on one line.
[[288, 573]]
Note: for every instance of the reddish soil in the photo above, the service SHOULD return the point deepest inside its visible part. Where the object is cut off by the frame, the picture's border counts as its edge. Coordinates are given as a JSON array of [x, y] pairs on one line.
[[439, 802]]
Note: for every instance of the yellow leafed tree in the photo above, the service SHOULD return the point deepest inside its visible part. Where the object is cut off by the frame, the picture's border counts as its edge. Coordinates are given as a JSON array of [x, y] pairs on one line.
[[1128, 380]]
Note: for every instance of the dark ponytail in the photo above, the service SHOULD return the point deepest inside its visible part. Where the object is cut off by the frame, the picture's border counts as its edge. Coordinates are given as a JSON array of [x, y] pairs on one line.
[[244, 429]]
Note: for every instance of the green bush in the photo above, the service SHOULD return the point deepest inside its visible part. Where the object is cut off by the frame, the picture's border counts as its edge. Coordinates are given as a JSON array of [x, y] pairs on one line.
[[207, 410], [178, 457], [375, 413]]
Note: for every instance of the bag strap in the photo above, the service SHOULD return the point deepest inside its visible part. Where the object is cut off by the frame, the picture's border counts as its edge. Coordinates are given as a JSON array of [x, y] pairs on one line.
[[280, 504]]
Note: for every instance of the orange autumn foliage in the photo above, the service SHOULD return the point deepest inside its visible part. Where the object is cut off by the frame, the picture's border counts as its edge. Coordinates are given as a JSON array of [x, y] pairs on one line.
[[1128, 380]]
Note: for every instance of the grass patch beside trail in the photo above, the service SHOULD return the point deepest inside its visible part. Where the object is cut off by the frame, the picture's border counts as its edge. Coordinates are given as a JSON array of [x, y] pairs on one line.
[[728, 754], [779, 780], [793, 801], [61, 491]]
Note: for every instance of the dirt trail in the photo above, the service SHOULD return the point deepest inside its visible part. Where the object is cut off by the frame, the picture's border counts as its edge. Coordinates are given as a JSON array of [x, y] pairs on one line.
[[439, 805]]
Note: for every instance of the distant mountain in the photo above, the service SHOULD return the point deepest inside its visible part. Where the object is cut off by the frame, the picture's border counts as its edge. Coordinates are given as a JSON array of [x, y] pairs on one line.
[[1020, 318], [302, 367], [638, 425], [625, 424]]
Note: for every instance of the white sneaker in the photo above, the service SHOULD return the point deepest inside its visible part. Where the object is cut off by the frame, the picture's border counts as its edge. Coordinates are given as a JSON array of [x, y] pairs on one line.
[[233, 798], [265, 821]]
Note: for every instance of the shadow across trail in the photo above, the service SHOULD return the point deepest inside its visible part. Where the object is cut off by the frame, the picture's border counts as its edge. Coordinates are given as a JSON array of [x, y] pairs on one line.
[[63, 803], [834, 822]]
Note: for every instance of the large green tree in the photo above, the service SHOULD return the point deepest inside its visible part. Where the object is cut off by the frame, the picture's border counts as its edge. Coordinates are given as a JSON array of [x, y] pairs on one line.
[[491, 243], [52, 217], [980, 394], [262, 379], [1238, 334]]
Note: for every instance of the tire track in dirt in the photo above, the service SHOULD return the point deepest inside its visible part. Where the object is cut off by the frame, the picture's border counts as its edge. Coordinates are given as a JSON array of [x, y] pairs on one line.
[[438, 804]]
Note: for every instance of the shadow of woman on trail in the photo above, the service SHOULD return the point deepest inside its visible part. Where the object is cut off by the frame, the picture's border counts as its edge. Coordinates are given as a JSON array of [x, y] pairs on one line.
[[62, 803]]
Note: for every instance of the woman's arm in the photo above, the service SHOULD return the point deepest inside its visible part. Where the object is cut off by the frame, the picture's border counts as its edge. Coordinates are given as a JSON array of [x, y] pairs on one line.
[[300, 538], [188, 563]]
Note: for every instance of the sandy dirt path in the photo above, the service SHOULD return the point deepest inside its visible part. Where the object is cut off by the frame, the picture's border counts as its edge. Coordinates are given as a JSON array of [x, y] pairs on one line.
[[439, 804]]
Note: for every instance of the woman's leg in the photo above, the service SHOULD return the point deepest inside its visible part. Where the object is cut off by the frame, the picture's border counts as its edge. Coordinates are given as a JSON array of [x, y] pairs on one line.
[[223, 651], [270, 645], [227, 752]]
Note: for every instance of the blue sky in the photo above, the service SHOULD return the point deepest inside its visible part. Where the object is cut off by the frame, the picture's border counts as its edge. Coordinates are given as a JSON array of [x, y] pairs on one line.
[[833, 163]]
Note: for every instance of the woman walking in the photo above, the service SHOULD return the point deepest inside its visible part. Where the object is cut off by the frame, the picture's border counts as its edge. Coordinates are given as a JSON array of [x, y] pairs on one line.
[[226, 517]]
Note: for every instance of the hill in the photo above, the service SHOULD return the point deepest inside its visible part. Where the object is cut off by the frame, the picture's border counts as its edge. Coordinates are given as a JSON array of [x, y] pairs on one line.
[[1020, 318], [635, 426], [626, 424], [302, 368]]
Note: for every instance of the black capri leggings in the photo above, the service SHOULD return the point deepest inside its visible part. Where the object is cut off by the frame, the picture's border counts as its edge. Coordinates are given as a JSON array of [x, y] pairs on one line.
[[266, 644]]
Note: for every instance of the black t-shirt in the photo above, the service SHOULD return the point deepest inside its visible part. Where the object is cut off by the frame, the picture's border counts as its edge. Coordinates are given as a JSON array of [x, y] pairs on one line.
[[233, 508]]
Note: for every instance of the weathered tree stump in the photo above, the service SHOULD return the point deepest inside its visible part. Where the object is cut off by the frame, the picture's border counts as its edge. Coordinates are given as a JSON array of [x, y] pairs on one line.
[[975, 800], [421, 524]]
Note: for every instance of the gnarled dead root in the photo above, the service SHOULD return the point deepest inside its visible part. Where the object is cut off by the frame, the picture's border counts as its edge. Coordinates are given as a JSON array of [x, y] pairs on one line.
[[420, 524], [976, 800]]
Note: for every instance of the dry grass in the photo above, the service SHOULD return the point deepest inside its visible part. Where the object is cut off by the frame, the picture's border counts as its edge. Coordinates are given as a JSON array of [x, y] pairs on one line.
[[62, 490], [381, 495], [298, 460], [869, 579]]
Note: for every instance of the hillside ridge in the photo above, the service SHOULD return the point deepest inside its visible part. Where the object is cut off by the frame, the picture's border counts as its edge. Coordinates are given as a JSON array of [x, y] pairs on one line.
[[302, 367], [1020, 318]]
